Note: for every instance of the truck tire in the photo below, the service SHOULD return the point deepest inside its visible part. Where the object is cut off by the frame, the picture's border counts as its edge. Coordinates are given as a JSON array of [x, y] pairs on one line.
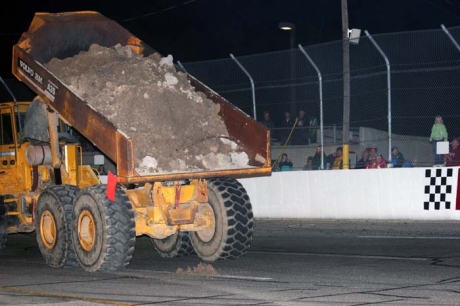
[[3, 225], [176, 245], [103, 232], [53, 215], [230, 235]]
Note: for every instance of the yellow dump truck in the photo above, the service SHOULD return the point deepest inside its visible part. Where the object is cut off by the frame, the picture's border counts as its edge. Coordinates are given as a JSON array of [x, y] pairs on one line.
[[44, 186]]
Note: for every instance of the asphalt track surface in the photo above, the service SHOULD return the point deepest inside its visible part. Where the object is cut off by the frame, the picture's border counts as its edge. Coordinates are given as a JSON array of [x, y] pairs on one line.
[[291, 262]]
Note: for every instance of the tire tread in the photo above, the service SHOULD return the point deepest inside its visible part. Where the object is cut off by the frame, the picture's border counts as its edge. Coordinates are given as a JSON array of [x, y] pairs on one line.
[[118, 218], [238, 219]]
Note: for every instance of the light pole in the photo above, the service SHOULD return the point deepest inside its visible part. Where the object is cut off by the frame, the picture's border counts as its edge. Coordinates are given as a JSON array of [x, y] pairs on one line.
[[346, 84], [289, 26]]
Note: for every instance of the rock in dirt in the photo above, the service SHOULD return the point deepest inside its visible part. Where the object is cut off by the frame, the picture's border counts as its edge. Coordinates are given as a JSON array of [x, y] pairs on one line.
[[173, 127]]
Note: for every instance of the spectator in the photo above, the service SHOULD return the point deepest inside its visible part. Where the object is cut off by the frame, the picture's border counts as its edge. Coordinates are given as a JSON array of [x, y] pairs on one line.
[[330, 160], [285, 164], [381, 162], [309, 165], [286, 126], [302, 116], [300, 136], [408, 164], [316, 162], [102, 170], [362, 163], [453, 158], [378, 163], [338, 160], [397, 158], [438, 133], [372, 155], [267, 121], [275, 166], [312, 127]]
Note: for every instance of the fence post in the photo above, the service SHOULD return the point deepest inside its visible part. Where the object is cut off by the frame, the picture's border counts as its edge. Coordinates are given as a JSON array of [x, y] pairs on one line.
[[389, 89], [320, 81], [452, 39], [252, 85]]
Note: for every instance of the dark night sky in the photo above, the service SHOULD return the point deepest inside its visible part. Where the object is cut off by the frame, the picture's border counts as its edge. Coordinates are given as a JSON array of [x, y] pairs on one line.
[[194, 30]]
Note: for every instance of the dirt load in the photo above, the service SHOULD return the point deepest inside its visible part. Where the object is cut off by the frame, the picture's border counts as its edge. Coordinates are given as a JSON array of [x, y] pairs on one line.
[[173, 127]]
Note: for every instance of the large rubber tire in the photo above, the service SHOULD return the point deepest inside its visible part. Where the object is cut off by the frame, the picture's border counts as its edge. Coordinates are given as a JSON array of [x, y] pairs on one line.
[[53, 216], [231, 234], [103, 232], [176, 245], [3, 225]]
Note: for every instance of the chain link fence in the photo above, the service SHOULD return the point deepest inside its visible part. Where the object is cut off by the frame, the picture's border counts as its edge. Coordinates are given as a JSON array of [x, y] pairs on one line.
[[399, 82]]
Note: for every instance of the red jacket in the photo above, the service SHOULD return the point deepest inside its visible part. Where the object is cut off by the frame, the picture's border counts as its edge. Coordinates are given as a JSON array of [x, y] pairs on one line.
[[453, 158], [375, 164]]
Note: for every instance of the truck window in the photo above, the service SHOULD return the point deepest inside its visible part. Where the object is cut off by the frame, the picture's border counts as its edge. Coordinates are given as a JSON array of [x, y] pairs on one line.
[[7, 129], [20, 120]]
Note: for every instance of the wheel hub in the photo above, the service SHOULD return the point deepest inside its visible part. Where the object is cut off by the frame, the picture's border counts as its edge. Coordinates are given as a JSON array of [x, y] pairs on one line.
[[48, 229], [86, 230], [207, 233]]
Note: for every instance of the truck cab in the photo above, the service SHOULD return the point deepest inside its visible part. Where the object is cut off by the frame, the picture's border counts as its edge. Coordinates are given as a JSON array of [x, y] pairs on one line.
[[12, 179], [25, 167]]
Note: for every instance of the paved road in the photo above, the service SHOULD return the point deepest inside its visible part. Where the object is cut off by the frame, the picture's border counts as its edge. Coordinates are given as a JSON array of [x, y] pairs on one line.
[[291, 262]]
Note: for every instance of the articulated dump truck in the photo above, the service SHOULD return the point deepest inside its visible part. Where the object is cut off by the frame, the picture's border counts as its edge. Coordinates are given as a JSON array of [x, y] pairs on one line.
[[78, 221]]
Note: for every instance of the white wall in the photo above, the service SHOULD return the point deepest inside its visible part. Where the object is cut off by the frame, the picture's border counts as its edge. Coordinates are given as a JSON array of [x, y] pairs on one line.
[[393, 194]]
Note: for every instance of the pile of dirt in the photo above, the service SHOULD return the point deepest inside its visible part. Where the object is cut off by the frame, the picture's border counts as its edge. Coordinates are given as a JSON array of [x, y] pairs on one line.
[[201, 269], [173, 127]]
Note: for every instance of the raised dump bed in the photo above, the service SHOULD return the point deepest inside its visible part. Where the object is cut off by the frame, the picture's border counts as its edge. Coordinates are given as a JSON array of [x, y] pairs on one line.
[[65, 35]]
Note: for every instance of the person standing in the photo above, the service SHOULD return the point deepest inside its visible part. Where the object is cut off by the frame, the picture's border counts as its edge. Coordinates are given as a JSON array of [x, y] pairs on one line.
[[267, 120], [438, 133], [313, 127], [286, 127], [300, 136], [302, 116]]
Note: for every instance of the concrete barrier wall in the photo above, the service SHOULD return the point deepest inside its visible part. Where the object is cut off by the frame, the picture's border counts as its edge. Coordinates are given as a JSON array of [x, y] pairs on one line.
[[381, 194]]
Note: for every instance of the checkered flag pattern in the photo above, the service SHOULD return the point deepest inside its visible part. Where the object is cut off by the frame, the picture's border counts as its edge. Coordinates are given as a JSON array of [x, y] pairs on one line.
[[438, 188]]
